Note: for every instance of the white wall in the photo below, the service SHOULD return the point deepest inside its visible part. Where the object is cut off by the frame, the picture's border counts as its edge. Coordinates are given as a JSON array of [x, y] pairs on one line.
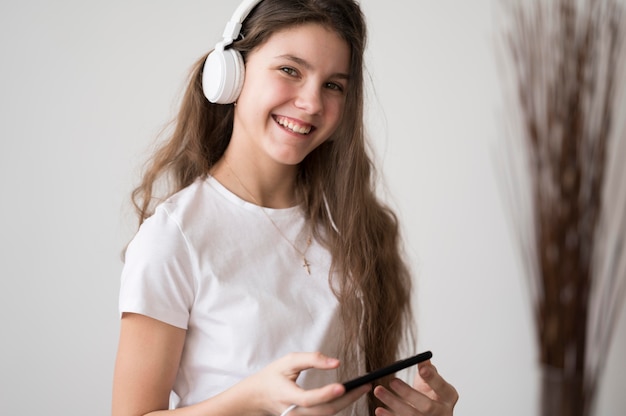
[[85, 87]]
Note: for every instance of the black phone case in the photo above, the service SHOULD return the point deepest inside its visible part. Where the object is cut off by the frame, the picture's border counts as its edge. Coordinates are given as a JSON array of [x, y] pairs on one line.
[[385, 371]]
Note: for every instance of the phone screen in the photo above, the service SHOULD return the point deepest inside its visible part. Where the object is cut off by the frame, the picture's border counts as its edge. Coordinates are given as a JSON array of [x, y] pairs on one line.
[[385, 371]]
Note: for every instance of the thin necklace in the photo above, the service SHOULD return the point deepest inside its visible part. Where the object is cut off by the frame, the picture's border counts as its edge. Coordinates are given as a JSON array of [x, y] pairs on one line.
[[305, 263]]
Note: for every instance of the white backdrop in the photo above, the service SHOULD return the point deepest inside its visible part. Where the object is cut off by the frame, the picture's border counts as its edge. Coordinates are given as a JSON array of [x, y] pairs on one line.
[[87, 85]]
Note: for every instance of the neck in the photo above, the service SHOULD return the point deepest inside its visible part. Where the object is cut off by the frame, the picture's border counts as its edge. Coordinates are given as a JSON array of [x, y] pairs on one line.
[[270, 186]]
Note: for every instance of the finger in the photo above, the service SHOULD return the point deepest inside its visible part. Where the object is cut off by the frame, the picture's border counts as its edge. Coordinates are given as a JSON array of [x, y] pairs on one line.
[[280, 377], [333, 406], [352, 395], [404, 400], [429, 381], [296, 362], [294, 394]]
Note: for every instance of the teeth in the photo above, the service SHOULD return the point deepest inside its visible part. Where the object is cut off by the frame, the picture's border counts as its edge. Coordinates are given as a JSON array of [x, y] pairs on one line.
[[296, 128]]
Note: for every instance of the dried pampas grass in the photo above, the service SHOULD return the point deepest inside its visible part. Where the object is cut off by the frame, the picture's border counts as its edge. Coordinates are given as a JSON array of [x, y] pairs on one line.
[[568, 197]]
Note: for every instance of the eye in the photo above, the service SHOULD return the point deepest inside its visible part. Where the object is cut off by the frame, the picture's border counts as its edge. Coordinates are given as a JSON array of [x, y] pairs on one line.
[[289, 71], [334, 86]]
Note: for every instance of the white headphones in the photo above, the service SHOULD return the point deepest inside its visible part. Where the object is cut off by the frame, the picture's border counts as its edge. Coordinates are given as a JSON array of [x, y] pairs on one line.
[[223, 73]]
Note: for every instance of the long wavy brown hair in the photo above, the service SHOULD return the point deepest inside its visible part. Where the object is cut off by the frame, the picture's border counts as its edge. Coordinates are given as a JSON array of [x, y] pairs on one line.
[[336, 182]]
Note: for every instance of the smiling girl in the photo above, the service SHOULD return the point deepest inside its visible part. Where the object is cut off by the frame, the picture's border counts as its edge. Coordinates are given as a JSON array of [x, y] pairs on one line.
[[269, 271]]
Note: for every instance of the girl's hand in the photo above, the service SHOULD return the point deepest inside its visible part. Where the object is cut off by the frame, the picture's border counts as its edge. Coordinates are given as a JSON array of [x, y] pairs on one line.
[[274, 388], [430, 395]]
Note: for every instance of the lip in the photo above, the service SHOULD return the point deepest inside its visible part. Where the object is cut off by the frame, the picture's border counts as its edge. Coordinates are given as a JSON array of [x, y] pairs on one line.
[[294, 126]]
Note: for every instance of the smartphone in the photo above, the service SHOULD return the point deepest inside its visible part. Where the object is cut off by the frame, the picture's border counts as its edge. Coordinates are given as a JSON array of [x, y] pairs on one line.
[[385, 371]]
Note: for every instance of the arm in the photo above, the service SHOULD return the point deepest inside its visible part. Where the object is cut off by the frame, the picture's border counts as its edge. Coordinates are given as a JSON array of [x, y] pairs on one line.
[[431, 395], [147, 362]]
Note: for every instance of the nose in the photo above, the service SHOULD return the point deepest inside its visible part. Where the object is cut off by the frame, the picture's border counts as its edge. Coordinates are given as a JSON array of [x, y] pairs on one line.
[[309, 99]]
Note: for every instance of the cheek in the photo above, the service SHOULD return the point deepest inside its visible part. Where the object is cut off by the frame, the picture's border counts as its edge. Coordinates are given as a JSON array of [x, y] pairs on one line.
[[334, 112], [264, 88]]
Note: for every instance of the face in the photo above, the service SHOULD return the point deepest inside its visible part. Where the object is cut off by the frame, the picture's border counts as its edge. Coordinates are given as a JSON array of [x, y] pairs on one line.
[[293, 95]]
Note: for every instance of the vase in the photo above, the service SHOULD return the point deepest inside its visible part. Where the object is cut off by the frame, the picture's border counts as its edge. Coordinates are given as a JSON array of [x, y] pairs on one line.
[[562, 394]]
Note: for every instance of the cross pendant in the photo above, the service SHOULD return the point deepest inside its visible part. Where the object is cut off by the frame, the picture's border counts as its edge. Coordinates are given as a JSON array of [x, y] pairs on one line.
[[306, 265]]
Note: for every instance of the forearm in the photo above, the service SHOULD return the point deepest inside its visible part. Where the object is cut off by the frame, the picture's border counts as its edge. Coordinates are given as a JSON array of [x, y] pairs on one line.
[[232, 402], [236, 401]]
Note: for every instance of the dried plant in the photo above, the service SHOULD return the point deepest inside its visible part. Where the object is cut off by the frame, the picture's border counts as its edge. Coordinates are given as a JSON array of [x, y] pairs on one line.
[[567, 58]]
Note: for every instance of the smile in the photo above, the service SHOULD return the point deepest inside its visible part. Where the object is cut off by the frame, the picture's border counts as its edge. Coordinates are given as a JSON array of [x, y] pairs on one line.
[[293, 126]]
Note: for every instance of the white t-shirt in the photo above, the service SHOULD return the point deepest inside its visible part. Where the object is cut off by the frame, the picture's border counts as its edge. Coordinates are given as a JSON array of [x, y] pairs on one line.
[[215, 265]]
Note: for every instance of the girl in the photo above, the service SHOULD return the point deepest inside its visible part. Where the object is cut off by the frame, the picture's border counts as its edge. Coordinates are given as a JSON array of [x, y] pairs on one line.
[[270, 260]]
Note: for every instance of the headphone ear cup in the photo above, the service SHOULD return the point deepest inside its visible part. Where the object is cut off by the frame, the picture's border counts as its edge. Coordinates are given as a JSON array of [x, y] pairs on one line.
[[222, 77]]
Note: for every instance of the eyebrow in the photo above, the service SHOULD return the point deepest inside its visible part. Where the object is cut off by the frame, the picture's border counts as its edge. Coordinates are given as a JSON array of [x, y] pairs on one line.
[[307, 65]]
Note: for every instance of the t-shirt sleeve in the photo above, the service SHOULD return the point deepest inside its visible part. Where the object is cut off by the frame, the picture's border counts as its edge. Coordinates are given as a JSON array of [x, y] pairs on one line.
[[157, 277]]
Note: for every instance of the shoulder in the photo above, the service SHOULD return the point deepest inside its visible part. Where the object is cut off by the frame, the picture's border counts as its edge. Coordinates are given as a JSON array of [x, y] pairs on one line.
[[202, 200], [164, 231], [185, 201], [202, 211]]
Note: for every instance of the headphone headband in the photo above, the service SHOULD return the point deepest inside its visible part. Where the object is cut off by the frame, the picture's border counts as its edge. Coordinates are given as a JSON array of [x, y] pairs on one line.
[[233, 27]]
